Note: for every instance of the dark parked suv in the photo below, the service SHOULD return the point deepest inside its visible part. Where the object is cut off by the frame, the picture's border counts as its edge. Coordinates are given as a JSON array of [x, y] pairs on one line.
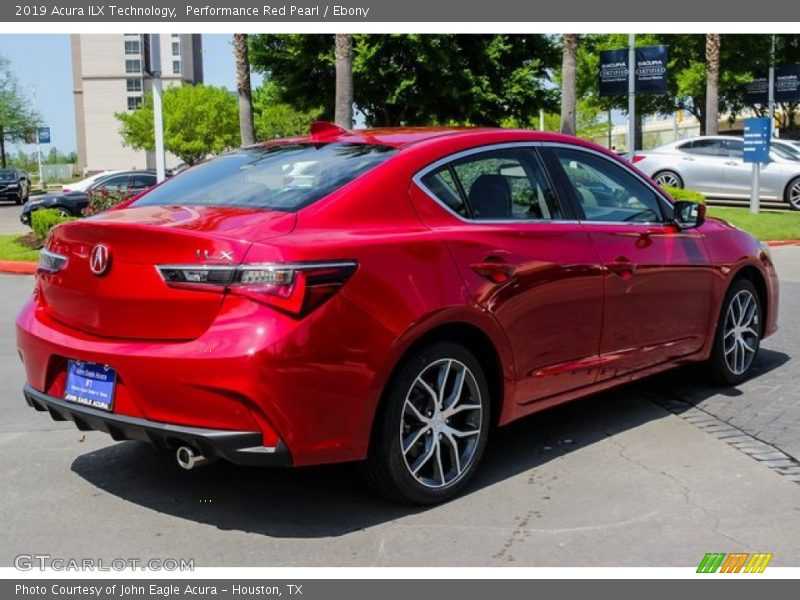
[[15, 185], [71, 204]]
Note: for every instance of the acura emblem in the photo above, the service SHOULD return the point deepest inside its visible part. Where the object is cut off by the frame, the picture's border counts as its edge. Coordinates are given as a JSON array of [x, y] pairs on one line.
[[99, 259]]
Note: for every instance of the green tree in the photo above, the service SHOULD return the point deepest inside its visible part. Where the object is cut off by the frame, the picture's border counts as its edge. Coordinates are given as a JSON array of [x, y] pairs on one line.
[[417, 79], [569, 43], [18, 119], [276, 119], [198, 120], [246, 128]]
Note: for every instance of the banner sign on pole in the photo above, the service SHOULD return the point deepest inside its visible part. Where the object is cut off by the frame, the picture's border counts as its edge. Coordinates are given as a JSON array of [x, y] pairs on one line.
[[651, 71], [787, 83], [756, 140], [787, 86], [613, 72], [44, 135]]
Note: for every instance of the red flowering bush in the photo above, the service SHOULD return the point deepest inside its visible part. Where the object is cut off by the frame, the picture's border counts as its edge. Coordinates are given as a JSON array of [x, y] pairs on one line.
[[105, 199]]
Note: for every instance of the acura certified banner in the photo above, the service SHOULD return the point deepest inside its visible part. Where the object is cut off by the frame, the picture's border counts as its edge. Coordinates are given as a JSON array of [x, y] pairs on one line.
[[651, 71], [787, 86]]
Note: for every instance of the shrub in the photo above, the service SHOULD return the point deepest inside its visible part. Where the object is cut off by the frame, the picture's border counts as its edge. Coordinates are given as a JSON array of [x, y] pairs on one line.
[[104, 200], [682, 194], [42, 221]]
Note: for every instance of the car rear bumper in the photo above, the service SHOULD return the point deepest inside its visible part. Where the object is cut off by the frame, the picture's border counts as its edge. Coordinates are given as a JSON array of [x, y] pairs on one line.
[[238, 447], [253, 370]]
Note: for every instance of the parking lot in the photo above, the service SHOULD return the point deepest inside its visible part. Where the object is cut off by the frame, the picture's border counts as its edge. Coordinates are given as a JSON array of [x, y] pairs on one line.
[[641, 476], [9, 219]]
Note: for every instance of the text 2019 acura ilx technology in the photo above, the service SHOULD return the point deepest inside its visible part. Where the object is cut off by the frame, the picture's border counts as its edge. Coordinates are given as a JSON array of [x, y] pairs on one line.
[[412, 289]]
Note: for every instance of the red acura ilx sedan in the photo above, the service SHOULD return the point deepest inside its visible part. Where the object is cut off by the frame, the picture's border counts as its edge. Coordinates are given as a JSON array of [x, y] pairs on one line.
[[384, 296]]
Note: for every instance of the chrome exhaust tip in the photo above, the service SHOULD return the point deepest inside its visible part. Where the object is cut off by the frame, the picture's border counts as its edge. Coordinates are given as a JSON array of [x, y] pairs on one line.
[[188, 459]]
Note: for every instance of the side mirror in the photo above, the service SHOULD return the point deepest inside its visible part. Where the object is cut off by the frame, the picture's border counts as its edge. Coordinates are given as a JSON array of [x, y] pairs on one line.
[[687, 214]]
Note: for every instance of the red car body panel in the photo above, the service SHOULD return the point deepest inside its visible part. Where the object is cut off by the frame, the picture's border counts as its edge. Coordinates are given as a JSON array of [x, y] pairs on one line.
[[587, 306]]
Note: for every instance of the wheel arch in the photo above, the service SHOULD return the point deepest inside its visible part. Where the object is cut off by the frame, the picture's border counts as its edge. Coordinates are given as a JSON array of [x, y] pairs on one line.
[[756, 277], [494, 356]]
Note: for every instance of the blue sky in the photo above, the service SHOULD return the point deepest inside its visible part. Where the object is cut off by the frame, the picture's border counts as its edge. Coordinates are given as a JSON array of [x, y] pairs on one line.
[[44, 61]]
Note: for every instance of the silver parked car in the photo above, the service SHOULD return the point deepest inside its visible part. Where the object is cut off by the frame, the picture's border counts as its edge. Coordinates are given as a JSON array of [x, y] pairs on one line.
[[713, 165]]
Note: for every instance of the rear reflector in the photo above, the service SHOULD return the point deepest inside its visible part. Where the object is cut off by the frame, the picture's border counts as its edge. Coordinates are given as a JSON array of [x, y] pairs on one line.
[[638, 157], [296, 288]]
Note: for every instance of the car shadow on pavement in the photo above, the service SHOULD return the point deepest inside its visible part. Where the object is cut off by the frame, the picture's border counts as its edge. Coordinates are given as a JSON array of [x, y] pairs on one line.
[[331, 500]]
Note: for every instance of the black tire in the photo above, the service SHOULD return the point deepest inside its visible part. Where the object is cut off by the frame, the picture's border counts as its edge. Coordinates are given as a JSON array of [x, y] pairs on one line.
[[720, 362], [792, 194], [387, 469], [668, 175]]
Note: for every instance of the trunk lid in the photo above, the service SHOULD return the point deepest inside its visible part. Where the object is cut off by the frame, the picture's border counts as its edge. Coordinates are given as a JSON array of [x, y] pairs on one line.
[[129, 299]]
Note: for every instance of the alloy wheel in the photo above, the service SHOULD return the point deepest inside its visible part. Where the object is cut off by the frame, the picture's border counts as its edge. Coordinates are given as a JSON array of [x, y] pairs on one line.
[[741, 333], [440, 424], [794, 195], [668, 179]]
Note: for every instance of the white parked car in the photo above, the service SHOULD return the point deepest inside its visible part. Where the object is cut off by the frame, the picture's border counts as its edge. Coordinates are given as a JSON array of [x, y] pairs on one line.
[[85, 184], [714, 166]]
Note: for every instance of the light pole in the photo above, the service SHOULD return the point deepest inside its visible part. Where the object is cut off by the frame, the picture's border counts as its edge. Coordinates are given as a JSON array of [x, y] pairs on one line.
[[158, 117], [631, 96], [771, 92], [38, 146]]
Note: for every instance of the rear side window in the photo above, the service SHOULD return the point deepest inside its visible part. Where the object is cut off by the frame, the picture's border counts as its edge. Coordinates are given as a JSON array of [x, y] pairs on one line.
[[706, 147], [503, 184], [116, 182], [285, 177]]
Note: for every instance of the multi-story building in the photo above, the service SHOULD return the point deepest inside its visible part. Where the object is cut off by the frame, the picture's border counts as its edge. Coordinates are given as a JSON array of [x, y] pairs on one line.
[[108, 78]]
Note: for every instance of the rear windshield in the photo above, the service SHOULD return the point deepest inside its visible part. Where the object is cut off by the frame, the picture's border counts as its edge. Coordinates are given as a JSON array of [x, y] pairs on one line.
[[285, 177]]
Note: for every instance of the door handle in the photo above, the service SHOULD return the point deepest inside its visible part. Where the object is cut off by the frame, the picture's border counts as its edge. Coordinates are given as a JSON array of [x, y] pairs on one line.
[[494, 269], [689, 158], [732, 163], [622, 267]]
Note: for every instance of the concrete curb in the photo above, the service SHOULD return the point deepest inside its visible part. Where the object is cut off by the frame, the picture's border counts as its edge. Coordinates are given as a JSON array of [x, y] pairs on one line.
[[18, 267], [778, 243]]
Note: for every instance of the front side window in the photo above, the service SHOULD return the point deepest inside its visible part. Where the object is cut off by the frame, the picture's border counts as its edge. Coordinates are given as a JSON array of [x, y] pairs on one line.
[[143, 180], [606, 191], [735, 148], [284, 177], [504, 184]]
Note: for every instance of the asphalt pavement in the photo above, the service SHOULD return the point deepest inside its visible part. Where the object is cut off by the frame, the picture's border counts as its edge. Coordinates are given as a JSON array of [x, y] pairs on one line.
[[614, 480], [9, 219]]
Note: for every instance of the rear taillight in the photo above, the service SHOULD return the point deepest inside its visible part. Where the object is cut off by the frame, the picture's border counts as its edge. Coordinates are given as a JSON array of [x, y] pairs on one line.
[[295, 288], [50, 262], [638, 157]]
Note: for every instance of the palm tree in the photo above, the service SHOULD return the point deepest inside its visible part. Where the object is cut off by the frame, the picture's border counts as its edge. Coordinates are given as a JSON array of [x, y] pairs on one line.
[[568, 82], [343, 108], [243, 89], [712, 83]]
